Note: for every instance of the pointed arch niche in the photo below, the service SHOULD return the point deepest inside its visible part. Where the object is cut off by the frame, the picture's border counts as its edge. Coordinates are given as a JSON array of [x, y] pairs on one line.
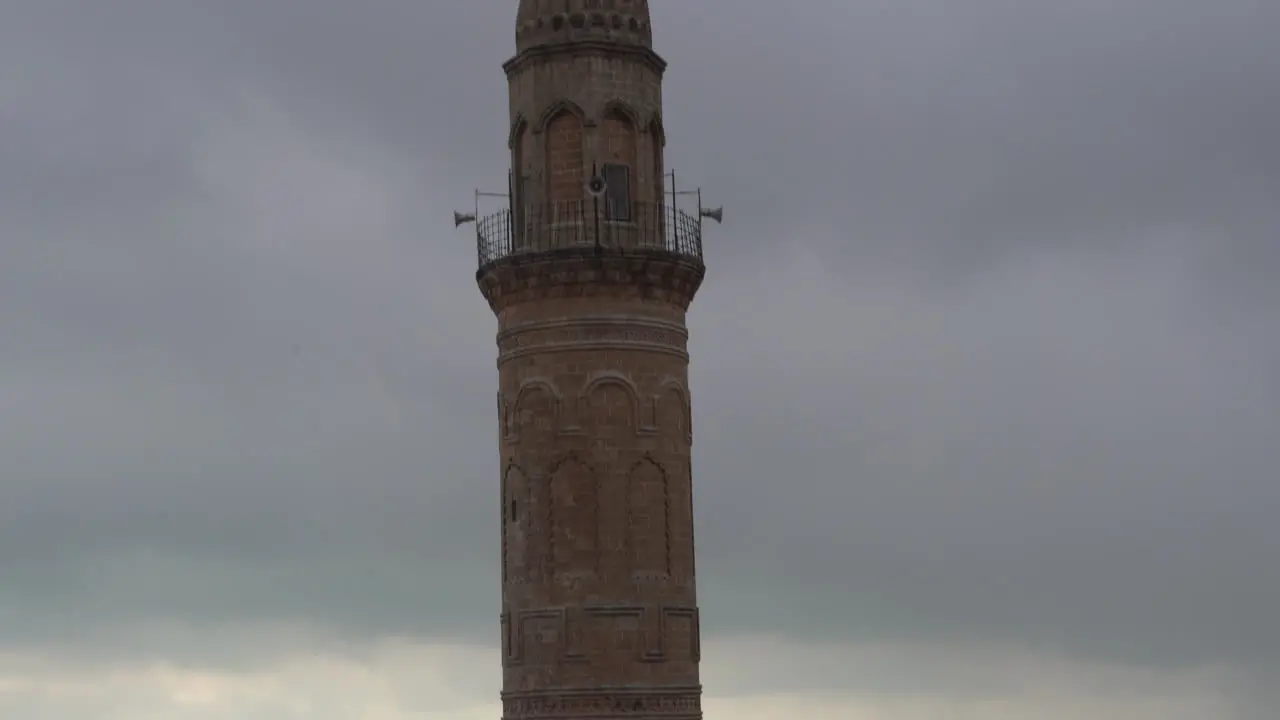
[[519, 145], [657, 141], [649, 518], [564, 162]]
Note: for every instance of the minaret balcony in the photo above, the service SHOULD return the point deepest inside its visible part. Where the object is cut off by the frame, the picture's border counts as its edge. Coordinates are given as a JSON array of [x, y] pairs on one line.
[[591, 225]]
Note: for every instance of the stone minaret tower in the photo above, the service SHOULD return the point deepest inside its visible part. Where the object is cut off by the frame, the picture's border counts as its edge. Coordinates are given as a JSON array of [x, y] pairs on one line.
[[590, 270]]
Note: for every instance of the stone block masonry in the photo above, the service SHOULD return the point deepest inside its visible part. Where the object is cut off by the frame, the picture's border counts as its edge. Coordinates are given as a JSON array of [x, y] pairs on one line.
[[599, 605]]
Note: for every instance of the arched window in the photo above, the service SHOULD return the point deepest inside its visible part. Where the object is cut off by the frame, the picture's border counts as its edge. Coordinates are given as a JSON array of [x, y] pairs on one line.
[[618, 141], [519, 180], [564, 175]]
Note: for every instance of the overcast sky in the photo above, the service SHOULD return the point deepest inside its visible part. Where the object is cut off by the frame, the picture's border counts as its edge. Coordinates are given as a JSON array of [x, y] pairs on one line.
[[985, 364]]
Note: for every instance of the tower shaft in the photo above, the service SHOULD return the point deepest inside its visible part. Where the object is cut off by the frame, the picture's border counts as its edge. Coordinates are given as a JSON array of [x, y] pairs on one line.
[[599, 609]]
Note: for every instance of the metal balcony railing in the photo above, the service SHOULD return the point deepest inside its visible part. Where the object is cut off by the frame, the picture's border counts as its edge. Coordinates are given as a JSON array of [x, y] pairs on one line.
[[588, 224]]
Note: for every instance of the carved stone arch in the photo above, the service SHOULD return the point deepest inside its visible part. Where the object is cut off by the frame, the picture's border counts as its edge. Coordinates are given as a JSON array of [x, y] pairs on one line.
[[669, 390], [572, 517], [518, 126], [534, 384], [519, 145], [572, 456], [563, 162], [648, 493], [555, 109], [517, 519], [621, 107], [657, 129], [619, 143], [613, 378], [610, 377], [522, 410], [656, 139]]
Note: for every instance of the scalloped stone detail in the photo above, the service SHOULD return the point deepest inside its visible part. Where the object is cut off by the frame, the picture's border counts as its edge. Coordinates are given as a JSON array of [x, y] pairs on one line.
[[552, 22]]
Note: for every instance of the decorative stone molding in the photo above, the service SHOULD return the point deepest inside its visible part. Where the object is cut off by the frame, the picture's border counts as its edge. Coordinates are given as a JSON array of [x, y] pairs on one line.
[[516, 625], [640, 346], [558, 620], [673, 386], [670, 703], [549, 22], [593, 333], [646, 409], [652, 121], [538, 54], [676, 333], [512, 427], [639, 273], [561, 105], [606, 378]]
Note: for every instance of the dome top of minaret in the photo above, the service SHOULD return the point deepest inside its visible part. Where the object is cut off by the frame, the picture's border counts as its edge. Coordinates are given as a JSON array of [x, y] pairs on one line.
[[551, 22]]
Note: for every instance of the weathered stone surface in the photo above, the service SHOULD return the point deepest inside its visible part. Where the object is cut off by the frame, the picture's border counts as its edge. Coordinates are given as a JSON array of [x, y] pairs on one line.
[[598, 553]]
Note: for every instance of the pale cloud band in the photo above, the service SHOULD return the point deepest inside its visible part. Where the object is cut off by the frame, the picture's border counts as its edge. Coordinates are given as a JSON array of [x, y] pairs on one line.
[[403, 680]]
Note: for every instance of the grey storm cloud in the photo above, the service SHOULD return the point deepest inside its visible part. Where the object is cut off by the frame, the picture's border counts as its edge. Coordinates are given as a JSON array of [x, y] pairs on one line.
[[986, 352]]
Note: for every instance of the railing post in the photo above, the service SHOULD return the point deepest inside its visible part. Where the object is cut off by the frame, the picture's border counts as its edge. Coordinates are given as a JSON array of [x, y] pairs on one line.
[[595, 208], [698, 220], [675, 227]]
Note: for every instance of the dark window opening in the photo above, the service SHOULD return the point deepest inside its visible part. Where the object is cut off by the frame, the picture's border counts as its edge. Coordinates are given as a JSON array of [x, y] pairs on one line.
[[513, 511], [618, 195]]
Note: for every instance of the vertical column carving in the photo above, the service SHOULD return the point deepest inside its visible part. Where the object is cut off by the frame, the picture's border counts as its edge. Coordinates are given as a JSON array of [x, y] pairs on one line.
[[504, 492], [503, 430], [693, 541]]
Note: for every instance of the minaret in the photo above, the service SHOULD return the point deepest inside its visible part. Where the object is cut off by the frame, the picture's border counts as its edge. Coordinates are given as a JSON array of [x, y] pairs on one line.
[[590, 269]]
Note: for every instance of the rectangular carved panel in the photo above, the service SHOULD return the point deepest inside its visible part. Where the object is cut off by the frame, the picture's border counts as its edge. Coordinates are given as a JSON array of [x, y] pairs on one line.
[[669, 633], [541, 637]]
